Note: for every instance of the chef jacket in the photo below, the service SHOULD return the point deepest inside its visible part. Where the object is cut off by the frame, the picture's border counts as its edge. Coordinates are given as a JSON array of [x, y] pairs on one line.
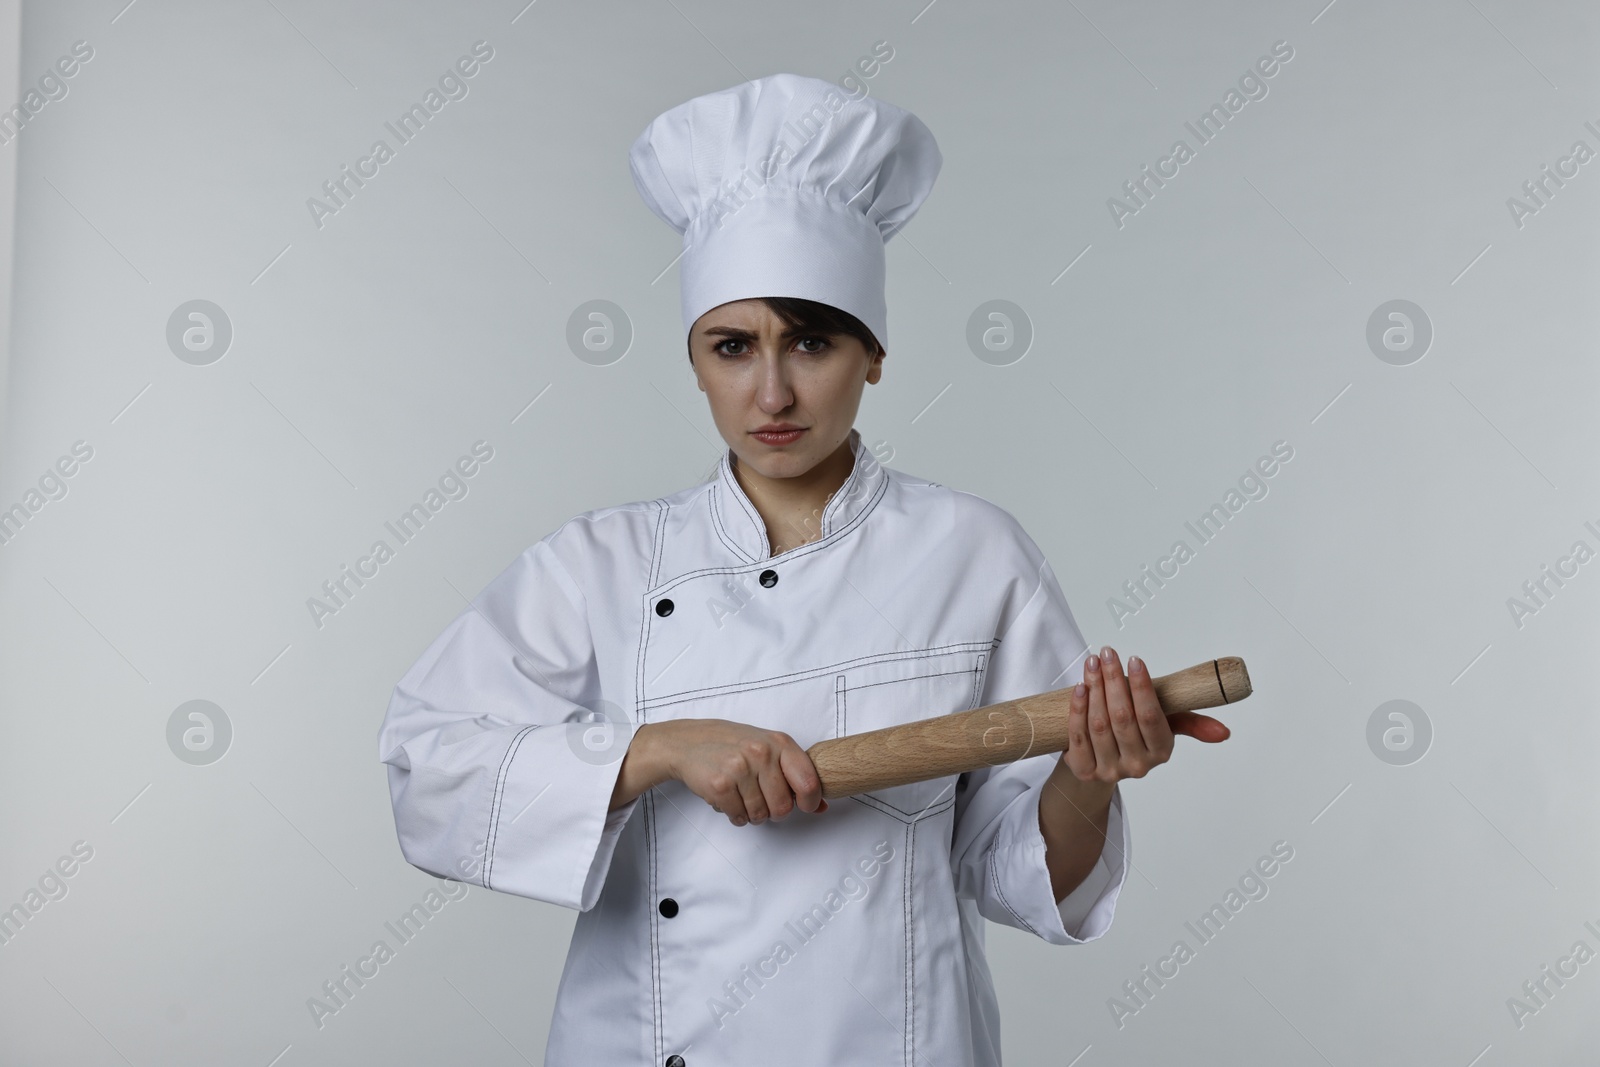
[[853, 936]]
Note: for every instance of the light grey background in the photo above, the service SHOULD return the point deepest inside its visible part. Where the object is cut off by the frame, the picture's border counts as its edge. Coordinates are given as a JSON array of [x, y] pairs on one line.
[[10, 47], [1228, 314]]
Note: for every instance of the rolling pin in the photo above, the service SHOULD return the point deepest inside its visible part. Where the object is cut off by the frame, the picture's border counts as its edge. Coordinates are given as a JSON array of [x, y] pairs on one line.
[[998, 733]]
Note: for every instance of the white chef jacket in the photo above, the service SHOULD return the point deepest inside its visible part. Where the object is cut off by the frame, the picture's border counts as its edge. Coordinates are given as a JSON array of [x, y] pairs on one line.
[[854, 936]]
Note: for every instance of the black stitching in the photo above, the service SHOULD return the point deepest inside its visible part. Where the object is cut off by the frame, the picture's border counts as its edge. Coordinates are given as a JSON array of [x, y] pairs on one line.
[[792, 554], [656, 552], [881, 805], [650, 837], [913, 678], [494, 804], [839, 691], [783, 679], [909, 900], [1000, 894], [644, 615], [725, 475], [722, 531], [655, 925], [844, 492]]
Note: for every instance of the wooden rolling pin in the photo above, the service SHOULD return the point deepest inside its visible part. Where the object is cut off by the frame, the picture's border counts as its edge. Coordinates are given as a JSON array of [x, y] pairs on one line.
[[999, 733]]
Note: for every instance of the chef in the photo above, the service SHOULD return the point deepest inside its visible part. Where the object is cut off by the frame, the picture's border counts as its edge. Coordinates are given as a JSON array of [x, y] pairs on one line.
[[618, 722]]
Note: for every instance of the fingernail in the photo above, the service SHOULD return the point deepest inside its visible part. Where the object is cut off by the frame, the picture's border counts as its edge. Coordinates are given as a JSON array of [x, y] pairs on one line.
[[1079, 689], [1134, 664], [1094, 662], [1107, 654]]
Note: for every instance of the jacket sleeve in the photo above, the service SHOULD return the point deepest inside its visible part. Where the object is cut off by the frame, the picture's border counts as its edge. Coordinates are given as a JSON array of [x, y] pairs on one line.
[[497, 774], [997, 848]]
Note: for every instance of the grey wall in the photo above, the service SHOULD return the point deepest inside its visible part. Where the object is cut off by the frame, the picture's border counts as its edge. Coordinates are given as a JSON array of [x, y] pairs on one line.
[[1230, 312], [10, 47]]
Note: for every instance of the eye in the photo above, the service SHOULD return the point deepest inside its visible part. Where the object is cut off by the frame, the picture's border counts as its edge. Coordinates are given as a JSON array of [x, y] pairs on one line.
[[823, 344], [717, 348]]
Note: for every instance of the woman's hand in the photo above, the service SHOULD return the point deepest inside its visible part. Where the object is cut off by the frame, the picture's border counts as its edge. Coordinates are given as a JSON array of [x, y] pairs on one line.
[[742, 771], [1115, 726]]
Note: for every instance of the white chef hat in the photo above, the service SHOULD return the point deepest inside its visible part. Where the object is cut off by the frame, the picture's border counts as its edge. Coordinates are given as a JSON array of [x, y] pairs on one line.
[[785, 186]]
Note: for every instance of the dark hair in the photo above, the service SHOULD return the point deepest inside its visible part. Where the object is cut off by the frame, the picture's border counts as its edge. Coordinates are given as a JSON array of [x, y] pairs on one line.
[[817, 318]]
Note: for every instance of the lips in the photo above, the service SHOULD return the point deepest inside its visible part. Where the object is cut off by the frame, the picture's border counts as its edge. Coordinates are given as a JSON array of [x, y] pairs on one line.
[[778, 437]]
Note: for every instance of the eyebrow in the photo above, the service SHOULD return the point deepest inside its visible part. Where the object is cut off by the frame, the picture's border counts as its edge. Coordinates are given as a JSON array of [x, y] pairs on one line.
[[750, 335]]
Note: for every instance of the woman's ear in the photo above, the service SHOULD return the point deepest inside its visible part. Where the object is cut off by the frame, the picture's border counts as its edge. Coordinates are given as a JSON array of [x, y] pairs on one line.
[[875, 370]]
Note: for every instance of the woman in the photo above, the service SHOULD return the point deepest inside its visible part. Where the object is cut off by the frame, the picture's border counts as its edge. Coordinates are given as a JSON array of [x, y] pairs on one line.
[[805, 592]]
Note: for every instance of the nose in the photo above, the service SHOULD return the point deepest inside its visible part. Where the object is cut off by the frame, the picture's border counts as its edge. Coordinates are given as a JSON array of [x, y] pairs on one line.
[[773, 390]]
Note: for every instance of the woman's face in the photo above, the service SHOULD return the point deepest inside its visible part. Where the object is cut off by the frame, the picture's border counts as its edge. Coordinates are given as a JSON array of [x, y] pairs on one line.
[[756, 374]]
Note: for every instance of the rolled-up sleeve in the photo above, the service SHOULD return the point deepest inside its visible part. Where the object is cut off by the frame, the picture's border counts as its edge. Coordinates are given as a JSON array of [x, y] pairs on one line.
[[497, 774], [998, 849]]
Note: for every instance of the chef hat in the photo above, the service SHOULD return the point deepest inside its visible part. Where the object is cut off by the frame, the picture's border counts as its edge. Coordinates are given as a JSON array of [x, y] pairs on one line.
[[785, 186]]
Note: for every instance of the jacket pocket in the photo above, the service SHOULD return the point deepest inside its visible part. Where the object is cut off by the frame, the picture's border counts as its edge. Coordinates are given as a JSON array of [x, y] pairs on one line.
[[910, 689]]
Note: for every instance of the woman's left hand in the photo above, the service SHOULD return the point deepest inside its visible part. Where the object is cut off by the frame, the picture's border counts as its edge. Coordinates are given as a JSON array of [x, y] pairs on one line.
[[1116, 728]]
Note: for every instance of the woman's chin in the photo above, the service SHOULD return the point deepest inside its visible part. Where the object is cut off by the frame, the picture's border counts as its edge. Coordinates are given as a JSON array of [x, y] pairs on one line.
[[771, 463], [788, 461]]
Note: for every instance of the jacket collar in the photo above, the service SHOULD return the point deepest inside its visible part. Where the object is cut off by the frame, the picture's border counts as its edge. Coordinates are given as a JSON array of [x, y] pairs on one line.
[[740, 526]]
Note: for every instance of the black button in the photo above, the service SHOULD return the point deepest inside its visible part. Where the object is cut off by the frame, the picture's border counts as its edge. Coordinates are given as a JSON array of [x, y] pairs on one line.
[[663, 608], [674, 1060], [668, 907], [769, 578]]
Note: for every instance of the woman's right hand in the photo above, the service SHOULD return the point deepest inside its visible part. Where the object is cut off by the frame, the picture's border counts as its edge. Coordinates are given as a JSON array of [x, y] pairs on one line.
[[747, 773]]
